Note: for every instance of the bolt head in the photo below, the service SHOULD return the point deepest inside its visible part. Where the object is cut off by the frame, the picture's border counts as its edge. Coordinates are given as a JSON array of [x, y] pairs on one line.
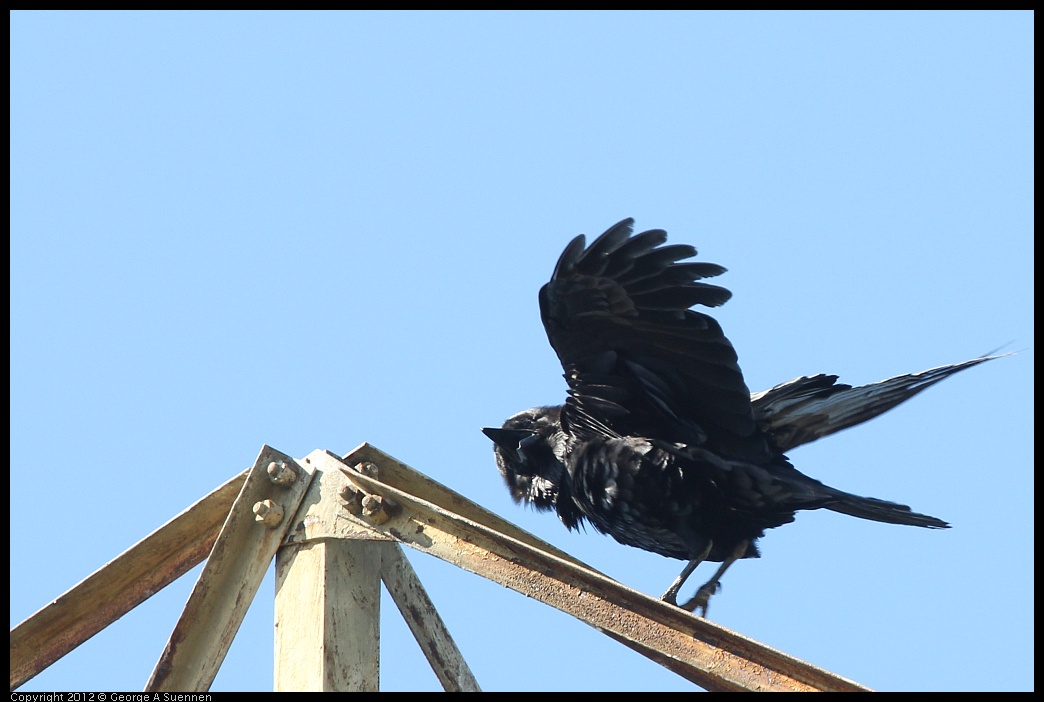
[[268, 513], [368, 469], [282, 472]]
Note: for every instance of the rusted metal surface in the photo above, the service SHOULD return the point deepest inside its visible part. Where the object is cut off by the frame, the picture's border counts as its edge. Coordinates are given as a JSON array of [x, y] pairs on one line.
[[227, 585], [327, 509], [707, 654], [120, 585]]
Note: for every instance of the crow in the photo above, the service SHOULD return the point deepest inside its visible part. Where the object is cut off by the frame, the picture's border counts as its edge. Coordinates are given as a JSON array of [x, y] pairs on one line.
[[660, 444]]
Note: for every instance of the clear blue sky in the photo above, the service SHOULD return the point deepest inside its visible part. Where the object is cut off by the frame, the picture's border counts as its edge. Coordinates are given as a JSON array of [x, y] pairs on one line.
[[317, 229]]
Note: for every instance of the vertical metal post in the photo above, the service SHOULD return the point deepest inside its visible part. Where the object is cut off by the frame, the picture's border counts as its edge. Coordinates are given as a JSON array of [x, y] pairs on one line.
[[327, 616]]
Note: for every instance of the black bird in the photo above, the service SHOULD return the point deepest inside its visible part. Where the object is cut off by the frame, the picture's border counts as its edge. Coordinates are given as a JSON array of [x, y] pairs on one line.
[[660, 444]]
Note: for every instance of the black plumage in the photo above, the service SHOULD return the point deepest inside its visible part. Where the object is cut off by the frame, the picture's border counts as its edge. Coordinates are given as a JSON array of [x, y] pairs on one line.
[[660, 444]]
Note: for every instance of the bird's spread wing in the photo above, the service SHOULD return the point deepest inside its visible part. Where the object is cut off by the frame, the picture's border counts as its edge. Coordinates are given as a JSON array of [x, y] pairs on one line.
[[808, 408], [637, 359]]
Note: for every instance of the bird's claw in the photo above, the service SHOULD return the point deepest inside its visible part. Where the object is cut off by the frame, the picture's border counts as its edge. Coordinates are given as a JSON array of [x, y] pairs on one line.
[[701, 600]]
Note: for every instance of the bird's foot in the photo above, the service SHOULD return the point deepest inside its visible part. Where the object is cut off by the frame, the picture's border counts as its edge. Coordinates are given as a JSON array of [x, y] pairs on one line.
[[701, 599]]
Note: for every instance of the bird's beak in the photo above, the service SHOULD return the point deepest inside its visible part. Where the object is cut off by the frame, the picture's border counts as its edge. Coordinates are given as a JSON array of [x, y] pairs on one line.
[[507, 439]]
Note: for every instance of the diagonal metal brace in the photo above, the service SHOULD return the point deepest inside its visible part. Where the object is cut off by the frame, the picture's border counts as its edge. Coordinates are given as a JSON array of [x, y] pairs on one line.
[[249, 539]]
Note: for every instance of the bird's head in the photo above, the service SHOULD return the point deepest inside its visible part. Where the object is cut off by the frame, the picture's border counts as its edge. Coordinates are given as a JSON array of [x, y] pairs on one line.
[[529, 449]]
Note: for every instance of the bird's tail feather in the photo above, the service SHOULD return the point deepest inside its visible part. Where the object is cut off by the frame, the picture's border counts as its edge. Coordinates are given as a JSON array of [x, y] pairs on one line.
[[883, 511]]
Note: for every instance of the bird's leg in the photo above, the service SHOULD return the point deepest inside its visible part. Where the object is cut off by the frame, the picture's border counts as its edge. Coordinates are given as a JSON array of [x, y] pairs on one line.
[[703, 595], [671, 596]]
